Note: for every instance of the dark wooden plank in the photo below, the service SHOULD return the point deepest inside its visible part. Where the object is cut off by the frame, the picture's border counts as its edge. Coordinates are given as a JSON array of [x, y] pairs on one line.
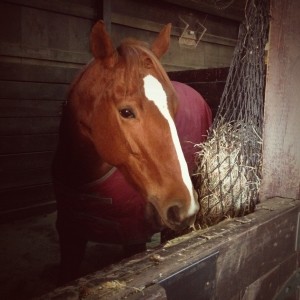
[[28, 143], [270, 284], [35, 210], [31, 90], [30, 108], [10, 31], [199, 76], [25, 161], [209, 83], [42, 72], [104, 13], [47, 36], [131, 13], [60, 55], [211, 92], [148, 25], [83, 9], [20, 126], [24, 178], [281, 150], [17, 198], [248, 247], [235, 11]]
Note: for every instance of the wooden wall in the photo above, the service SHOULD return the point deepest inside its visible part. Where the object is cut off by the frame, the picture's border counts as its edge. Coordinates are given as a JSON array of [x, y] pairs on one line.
[[209, 83], [43, 44], [146, 19], [281, 147]]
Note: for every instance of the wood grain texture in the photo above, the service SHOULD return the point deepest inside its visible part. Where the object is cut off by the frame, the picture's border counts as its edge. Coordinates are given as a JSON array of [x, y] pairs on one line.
[[281, 147], [249, 248]]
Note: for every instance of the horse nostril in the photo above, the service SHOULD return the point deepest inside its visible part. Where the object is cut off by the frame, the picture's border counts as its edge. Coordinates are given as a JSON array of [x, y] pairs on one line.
[[173, 214]]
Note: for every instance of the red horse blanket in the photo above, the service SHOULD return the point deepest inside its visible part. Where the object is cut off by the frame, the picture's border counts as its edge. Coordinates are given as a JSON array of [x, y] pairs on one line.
[[111, 210]]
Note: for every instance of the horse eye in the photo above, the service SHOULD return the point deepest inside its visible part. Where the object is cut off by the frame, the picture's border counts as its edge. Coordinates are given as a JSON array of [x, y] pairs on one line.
[[127, 113]]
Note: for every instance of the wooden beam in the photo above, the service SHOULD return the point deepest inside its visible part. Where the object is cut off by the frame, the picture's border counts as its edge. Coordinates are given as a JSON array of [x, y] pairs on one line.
[[281, 140], [138, 23], [235, 11], [104, 13], [57, 6], [247, 249]]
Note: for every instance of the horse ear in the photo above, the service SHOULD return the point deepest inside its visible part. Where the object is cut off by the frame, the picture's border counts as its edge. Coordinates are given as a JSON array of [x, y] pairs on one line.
[[161, 44], [101, 44]]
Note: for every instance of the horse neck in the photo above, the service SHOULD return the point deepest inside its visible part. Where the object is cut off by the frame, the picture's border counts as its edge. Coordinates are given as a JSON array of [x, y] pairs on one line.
[[76, 160]]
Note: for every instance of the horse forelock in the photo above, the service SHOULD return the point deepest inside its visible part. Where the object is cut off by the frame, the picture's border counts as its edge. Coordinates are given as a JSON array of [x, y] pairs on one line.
[[137, 55]]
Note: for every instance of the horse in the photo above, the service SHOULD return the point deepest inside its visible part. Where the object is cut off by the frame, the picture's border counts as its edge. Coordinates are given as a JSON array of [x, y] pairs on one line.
[[123, 164]]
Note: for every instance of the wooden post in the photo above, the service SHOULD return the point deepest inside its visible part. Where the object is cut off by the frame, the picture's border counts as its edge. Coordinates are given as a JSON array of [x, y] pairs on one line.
[[281, 142], [104, 13]]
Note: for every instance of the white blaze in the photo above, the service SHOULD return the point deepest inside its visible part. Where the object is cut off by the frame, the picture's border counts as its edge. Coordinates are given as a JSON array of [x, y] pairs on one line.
[[155, 92]]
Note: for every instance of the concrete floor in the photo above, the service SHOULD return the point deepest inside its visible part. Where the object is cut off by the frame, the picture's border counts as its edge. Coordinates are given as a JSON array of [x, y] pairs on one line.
[[29, 257]]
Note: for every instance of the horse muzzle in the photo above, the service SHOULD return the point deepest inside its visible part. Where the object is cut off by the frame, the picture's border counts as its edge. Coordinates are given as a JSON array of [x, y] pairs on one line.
[[174, 216]]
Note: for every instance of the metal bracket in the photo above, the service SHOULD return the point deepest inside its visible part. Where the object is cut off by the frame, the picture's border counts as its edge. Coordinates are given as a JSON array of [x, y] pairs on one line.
[[196, 281], [191, 37]]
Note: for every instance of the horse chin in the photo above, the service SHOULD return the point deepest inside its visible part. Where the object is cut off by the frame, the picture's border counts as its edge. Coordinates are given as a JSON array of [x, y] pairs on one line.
[[153, 218], [157, 223]]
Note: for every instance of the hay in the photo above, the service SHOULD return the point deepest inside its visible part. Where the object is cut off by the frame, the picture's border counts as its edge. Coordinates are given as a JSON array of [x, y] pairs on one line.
[[228, 180], [113, 284], [229, 163], [117, 285]]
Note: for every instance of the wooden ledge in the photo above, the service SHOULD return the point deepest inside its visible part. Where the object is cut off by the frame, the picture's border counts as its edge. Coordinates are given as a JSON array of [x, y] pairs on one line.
[[222, 261]]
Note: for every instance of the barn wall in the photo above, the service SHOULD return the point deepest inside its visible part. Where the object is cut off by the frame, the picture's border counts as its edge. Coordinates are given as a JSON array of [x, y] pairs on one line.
[[43, 44], [146, 19], [281, 148]]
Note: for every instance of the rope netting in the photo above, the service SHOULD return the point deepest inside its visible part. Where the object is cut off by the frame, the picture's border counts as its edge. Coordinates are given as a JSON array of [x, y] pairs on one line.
[[229, 162]]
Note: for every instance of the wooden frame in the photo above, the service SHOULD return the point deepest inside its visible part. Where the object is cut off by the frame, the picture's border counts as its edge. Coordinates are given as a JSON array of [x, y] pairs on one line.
[[222, 262]]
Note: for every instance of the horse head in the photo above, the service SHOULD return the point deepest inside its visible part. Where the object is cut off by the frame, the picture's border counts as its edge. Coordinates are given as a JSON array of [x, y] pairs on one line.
[[125, 105]]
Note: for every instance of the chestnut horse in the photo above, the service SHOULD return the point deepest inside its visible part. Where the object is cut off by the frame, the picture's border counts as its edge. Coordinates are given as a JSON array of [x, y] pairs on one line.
[[119, 172]]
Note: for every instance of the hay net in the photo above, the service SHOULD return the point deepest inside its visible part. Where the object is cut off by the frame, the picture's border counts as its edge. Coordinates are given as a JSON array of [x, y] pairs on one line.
[[229, 162]]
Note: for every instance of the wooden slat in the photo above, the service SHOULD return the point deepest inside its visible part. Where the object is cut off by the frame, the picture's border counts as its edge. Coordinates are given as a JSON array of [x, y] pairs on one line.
[[148, 25], [104, 13], [37, 72], [16, 50], [28, 143], [209, 83], [40, 34], [21, 170], [31, 90], [25, 212], [84, 10], [27, 126], [211, 92], [196, 76], [270, 284], [234, 11], [25, 197], [40, 53], [25, 161], [30, 108], [23, 178]]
